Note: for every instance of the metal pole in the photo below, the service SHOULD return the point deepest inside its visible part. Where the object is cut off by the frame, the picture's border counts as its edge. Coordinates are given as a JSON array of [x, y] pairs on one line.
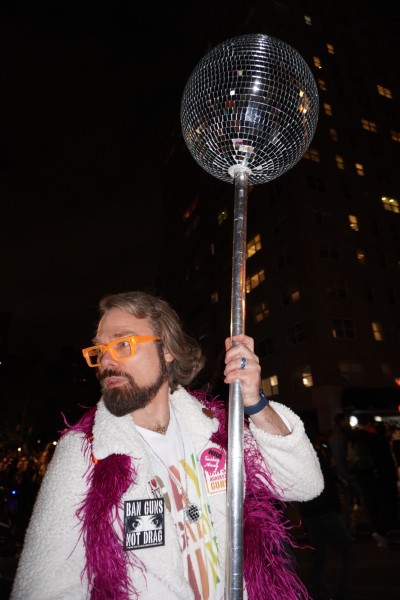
[[235, 462]]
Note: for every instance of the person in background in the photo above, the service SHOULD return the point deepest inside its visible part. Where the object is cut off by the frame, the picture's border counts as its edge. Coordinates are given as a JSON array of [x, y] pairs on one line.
[[152, 447], [370, 455], [326, 527]]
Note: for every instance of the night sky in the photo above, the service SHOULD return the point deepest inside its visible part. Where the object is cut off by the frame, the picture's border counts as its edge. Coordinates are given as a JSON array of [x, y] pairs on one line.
[[90, 93]]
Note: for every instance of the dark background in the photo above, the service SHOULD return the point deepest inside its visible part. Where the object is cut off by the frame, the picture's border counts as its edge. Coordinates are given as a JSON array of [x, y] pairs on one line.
[[90, 94]]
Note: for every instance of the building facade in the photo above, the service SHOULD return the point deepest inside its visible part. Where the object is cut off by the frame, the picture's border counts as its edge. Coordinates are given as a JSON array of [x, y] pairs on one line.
[[323, 240]]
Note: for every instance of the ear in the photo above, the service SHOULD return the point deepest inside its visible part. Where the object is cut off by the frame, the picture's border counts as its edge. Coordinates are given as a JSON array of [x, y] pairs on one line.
[[168, 356]]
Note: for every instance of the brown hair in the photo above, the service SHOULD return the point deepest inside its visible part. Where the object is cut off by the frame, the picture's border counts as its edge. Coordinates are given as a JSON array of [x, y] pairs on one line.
[[188, 355]]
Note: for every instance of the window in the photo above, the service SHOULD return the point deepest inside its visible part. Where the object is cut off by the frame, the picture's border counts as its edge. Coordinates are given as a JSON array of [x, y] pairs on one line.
[[395, 135], [343, 329], [316, 183], [253, 246], [377, 331], [290, 294], [255, 280], [339, 162], [261, 312], [360, 169], [270, 385], [295, 334], [353, 222], [369, 292], [369, 125], [265, 347], [214, 297], [212, 248], [190, 210], [327, 109], [322, 85], [329, 250], [361, 256], [317, 62], [390, 204], [351, 372], [330, 48], [312, 154], [337, 288], [383, 91], [333, 135], [222, 216], [307, 20], [303, 377], [284, 259]]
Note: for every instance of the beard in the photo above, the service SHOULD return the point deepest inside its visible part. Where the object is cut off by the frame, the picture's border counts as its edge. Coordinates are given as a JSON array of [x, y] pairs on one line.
[[122, 400]]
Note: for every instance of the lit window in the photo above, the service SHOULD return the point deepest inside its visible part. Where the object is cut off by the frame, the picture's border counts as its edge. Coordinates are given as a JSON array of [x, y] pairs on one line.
[[303, 377], [270, 385], [339, 162], [337, 288], [390, 204], [307, 20], [369, 125], [212, 248], [353, 222], [253, 246], [295, 334], [317, 62], [328, 109], [222, 216], [383, 91], [322, 85], [255, 280], [330, 48], [377, 331], [361, 256], [312, 154], [343, 329], [360, 169], [261, 312], [333, 135], [189, 211], [214, 298], [290, 295], [395, 135]]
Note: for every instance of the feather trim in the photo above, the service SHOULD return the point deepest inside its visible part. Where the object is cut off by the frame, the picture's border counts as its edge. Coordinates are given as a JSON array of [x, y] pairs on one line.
[[267, 544], [106, 562]]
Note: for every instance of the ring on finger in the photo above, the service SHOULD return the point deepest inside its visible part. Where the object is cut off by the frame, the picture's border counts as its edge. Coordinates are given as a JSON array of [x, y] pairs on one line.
[[243, 362]]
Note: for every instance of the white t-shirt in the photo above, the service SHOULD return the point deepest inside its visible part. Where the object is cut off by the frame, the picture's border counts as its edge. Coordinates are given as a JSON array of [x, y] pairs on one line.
[[175, 451]]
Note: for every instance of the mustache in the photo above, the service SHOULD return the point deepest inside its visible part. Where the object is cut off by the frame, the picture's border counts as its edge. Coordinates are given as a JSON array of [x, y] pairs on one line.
[[112, 373]]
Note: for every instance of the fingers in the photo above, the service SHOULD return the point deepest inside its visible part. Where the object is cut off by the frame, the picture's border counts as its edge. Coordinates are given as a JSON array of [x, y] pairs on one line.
[[242, 364]]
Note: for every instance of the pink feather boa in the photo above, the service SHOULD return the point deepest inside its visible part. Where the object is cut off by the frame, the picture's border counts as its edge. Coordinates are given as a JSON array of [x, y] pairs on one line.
[[267, 568]]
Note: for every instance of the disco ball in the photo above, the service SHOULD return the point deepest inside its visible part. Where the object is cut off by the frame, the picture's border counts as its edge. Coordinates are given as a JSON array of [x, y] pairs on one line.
[[252, 101]]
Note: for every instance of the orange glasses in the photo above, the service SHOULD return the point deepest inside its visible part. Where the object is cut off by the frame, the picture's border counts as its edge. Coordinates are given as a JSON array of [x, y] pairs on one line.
[[120, 349]]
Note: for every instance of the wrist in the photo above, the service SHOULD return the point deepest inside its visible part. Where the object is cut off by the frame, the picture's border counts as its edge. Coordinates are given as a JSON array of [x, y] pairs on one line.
[[255, 408]]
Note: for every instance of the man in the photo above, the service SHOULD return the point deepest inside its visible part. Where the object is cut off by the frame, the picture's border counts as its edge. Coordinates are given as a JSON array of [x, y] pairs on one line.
[[151, 448]]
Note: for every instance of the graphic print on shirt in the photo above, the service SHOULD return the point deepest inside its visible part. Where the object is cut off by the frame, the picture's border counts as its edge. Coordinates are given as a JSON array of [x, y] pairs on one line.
[[143, 523]]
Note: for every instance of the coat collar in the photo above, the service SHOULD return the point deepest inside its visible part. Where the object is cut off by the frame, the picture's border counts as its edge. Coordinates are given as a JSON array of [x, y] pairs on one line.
[[118, 435]]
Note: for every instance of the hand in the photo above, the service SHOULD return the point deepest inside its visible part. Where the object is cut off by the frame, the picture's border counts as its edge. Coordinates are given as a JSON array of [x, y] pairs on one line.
[[250, 376]]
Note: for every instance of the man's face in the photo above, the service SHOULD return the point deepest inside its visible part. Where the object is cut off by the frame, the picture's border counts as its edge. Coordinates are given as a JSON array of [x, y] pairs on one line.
[[130, 384]]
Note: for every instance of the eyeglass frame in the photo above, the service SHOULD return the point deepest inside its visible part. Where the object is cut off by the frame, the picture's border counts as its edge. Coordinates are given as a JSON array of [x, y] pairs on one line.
[[131, 339]]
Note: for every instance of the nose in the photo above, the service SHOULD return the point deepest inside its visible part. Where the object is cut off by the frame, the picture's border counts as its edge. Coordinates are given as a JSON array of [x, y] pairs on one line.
[[107, 360]]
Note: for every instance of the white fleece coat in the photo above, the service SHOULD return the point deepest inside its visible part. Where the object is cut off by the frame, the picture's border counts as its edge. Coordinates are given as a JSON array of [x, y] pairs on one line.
[[53, 555]]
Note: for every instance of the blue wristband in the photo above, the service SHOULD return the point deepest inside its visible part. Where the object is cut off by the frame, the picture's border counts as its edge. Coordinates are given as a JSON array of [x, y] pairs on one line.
[[255, 408]]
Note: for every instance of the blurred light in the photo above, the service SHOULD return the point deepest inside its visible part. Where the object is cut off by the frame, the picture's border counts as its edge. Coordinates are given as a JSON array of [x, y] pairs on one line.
[[19, 449], [54, 443], [13, 492], [353, 421], [379, 419], [397, 381]]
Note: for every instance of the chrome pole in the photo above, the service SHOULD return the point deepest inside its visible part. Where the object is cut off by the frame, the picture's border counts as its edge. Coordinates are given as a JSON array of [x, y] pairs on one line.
[[235, 461]]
